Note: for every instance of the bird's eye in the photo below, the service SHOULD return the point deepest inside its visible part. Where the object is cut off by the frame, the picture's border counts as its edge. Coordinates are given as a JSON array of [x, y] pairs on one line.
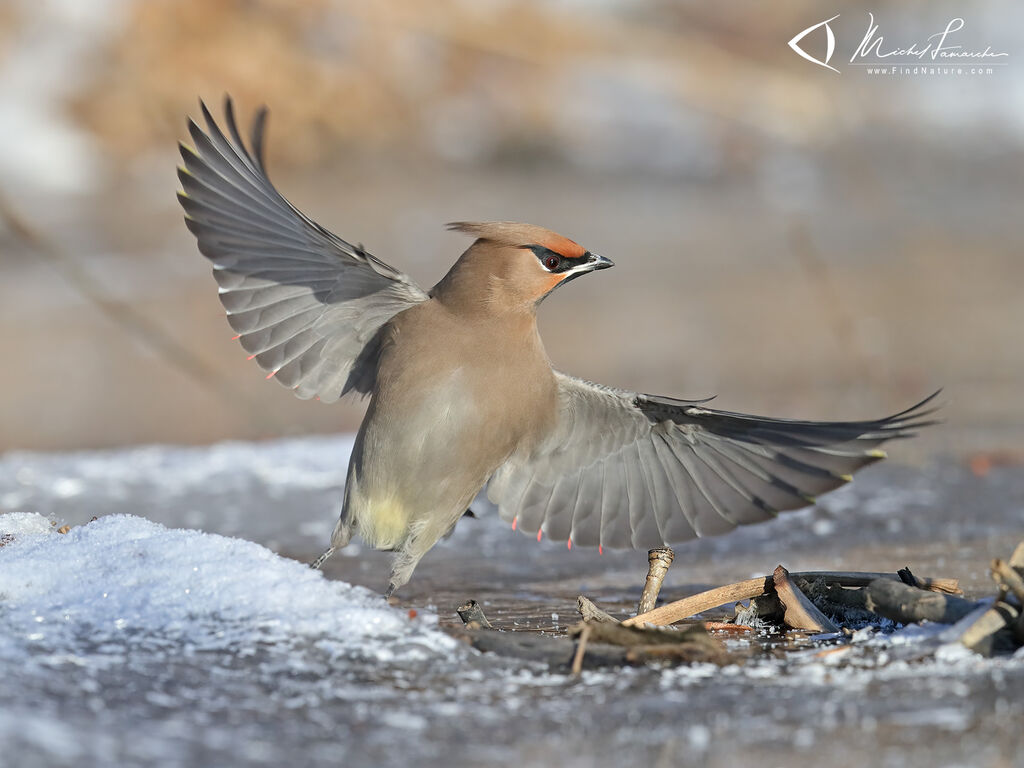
[[552, 262]]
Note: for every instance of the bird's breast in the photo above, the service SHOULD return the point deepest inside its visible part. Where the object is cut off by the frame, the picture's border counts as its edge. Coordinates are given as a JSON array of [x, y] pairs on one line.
[[484, 388]]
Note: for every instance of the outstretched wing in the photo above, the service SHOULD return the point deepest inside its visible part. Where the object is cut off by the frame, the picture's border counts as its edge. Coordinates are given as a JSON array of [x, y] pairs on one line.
[[307, 306], [623, 469]]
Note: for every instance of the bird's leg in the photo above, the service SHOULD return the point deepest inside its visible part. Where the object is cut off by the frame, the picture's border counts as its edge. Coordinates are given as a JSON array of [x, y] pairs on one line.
[[315, 565], [339, 540], [423, 534]]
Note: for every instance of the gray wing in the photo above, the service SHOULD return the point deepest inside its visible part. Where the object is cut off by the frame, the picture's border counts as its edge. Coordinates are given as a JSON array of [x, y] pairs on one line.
[[621, 469], [308, 306]]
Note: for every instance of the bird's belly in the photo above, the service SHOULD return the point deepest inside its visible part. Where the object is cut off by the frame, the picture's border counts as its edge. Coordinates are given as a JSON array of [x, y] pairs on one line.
[[425, 454]]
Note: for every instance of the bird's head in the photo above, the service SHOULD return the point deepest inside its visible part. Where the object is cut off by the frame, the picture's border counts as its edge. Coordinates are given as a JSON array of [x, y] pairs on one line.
[[515, 264]]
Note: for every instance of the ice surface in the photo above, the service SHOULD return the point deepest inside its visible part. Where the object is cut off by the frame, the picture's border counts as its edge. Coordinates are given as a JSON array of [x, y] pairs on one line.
[[285, 493], [125, 642]]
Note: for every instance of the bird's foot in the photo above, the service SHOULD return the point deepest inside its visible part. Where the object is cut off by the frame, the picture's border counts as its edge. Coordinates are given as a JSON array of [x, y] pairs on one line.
[[315, 565]]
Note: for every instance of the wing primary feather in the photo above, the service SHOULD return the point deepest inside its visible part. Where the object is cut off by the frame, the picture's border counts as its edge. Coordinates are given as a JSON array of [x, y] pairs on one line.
[[687, 457], [259, 126], [229, 151], [673, 471]]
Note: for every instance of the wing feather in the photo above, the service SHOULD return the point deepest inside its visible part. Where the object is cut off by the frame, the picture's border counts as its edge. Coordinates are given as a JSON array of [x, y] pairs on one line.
[[307, 305], [626, 469]]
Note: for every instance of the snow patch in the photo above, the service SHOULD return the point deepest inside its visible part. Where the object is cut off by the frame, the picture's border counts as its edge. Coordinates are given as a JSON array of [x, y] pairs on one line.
[[122, 584]]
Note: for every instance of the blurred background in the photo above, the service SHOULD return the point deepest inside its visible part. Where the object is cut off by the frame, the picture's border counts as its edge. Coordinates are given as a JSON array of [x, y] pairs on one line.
[[799, 242]]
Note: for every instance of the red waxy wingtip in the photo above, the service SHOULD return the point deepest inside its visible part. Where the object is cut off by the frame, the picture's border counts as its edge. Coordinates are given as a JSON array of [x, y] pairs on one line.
[[271, 374], [540, 532], [600, 549], [515, 520], [236, 337], [568, 544], [250, 357]]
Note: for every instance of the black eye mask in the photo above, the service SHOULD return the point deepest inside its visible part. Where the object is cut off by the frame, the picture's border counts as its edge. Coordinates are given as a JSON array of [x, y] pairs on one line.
[[555, 262]]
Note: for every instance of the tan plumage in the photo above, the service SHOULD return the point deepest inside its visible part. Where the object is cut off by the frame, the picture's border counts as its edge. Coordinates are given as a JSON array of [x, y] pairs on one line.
[[462, 393]]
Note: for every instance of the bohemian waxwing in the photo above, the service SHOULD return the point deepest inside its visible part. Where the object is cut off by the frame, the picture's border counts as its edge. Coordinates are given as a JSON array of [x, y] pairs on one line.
[[462, 393]]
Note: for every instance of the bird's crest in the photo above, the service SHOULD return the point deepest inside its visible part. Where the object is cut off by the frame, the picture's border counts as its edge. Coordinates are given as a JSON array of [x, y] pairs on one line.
[[519, 236]]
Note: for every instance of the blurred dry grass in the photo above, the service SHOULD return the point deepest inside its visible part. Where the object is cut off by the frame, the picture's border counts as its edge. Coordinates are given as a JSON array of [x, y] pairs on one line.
[[798, 242], [362, 74]]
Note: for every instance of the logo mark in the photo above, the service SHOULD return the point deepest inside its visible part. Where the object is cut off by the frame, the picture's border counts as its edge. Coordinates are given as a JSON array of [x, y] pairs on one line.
[[830, 44]]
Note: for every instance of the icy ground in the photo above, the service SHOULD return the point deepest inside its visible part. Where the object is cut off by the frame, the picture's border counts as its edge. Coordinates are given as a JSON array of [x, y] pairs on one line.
[[124, 642]]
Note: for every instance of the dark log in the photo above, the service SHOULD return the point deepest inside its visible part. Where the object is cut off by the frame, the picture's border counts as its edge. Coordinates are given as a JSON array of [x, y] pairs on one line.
[[556, 652], [908, 605]]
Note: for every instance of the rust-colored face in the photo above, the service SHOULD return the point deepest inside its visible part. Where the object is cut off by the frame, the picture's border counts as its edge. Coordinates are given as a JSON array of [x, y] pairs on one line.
[[562, 260], [529, 261]]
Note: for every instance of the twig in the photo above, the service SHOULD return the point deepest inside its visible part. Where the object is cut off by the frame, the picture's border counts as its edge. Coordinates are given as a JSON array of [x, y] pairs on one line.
[[801, 613], [908, 578], [581, 649], [705, 601], [658, 562], [1008, 579], [863, 578], [590, 612], [991, 633], [908, 605], [471, 612], [1017, 558], [725, 626], [128, 318]]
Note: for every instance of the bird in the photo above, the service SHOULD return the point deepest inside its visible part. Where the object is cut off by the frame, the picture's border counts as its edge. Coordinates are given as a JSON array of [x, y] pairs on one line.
[[462, 394]]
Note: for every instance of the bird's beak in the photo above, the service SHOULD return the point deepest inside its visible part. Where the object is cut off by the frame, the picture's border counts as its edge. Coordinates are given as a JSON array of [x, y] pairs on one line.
[[598, 262], [593, 263]]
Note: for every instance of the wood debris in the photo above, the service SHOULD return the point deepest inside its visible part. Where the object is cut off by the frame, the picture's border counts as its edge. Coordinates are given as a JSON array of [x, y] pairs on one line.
[[800, 612], [821, 602], [658, 561], [590, 612], [472, 615], [909, 605]]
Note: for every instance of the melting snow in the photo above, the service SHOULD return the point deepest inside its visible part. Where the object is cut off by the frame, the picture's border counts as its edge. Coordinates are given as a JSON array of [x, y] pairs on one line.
[[123, 584]]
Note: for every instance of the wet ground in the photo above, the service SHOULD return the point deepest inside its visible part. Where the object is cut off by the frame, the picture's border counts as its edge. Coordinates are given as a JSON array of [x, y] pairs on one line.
[[304, 702]]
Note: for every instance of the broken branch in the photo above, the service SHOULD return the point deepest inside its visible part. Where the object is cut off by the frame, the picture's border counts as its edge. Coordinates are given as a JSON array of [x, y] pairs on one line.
[[471, 612], [590, 612], [1008, 579], [800, 613], [704, 601], [658, 561]]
